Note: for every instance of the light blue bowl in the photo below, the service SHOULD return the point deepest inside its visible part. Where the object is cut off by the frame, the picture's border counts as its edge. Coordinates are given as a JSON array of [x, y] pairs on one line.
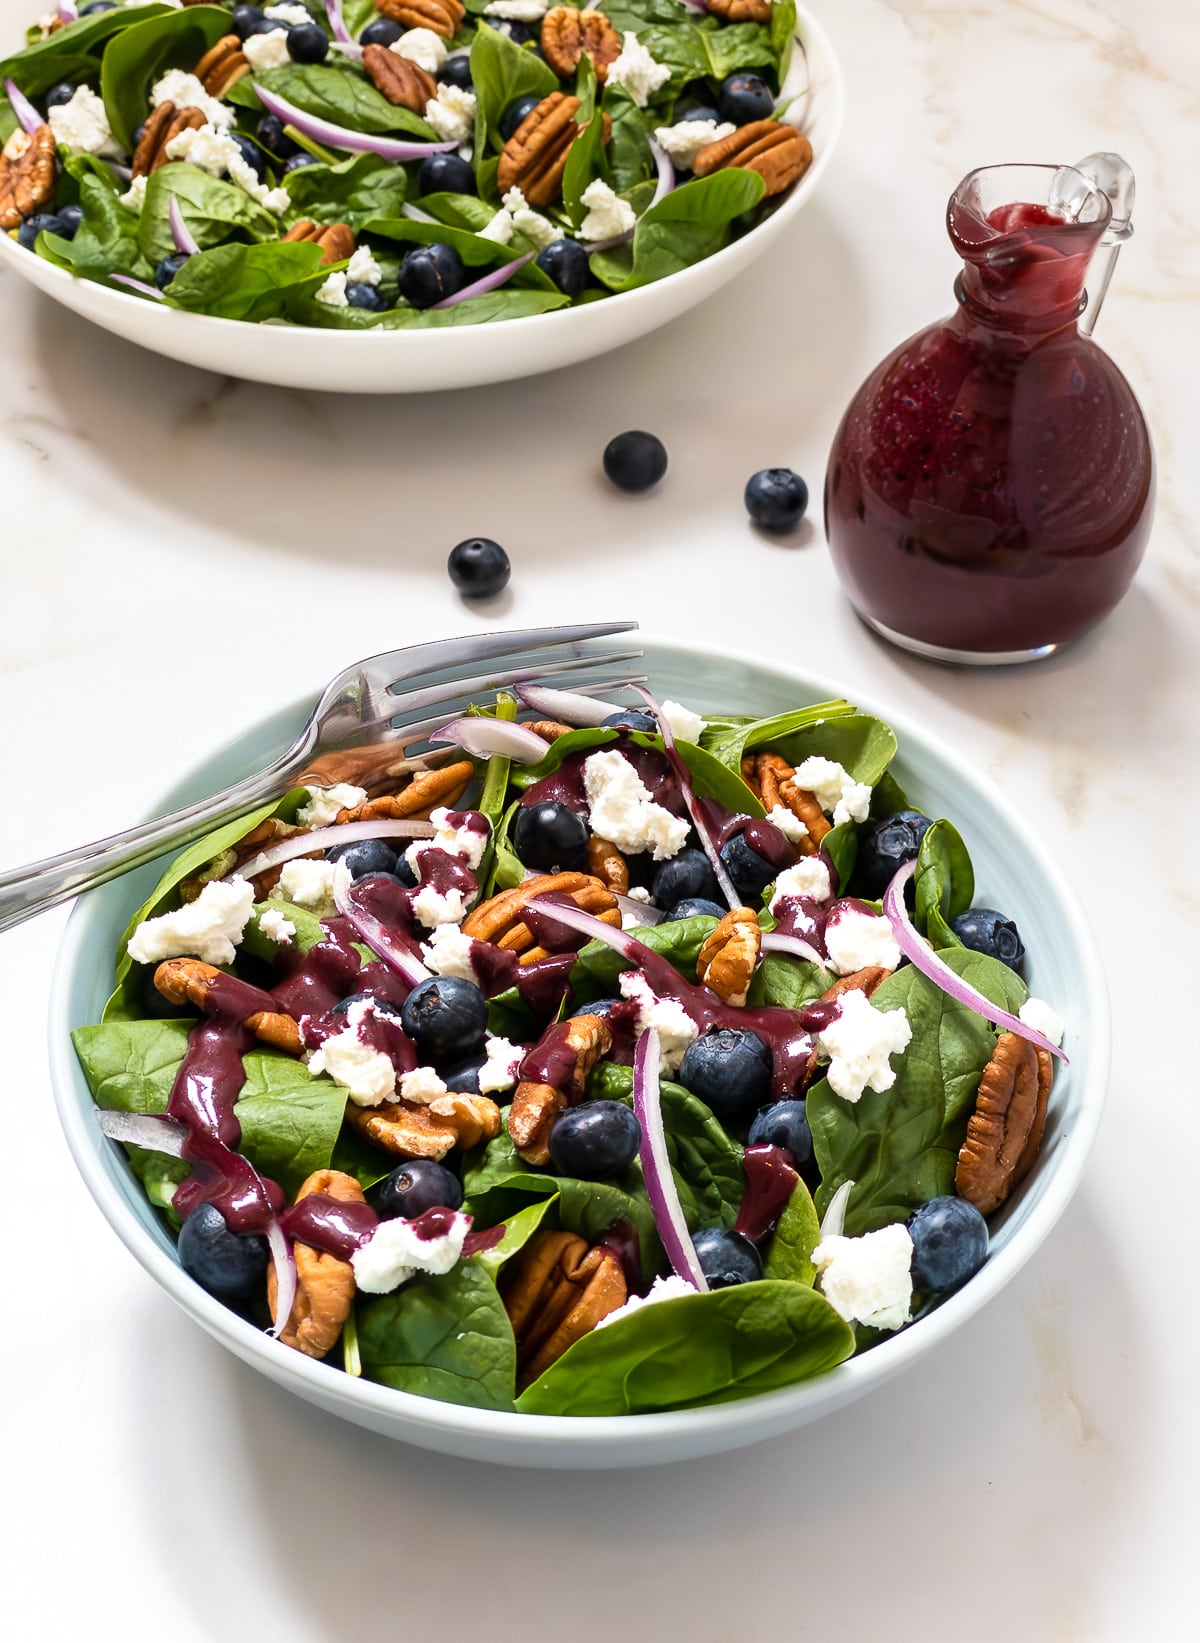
[[1013, 872]]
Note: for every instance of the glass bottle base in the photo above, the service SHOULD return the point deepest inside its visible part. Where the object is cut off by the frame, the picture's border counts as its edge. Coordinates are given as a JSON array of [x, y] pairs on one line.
[[959, 658]]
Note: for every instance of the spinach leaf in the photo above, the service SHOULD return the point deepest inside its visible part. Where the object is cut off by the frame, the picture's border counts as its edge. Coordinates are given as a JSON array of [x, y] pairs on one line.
[[728, 739], [598, 965], [447, 1337], [352, 191], [105, 242], [507, 303], [212, 208], [245, 282], [787, 981], [888, 797], [797, 1235], [141, 55], [502, 72], [629, 16], [861, 744], [159, 1175], [459, 210], [474, 250], [740, 45], [585, 158], [682, 47], [518, 1230], [338, 92], [840, 844], [354, 1155], [730, 1343], [685, 226], [73, 51], [944, 883], [508, 868], [900, 1147], [628, 153], [130, 1066]]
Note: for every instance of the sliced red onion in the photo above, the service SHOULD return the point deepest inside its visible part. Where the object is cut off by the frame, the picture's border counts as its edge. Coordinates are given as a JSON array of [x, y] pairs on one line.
[[486, 738], [666, 173], [640, 910], [350, 49], [138, 285], [491, 281], [914, 947], [375, 933], [595, 929], [28, 116], [180, 232], [333, 10], [321, 838], [124, 172], [683, 776], [569, 707], [139, 1129], [772, 942], [284, 1263], [67, 13], [835, 1215], [415, 214], [355, 142], [656, 1165]]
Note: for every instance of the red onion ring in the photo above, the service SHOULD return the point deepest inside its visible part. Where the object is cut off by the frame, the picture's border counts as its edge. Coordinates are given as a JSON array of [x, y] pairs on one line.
[[415, 214], [321, 838], [656, 1165], [140, 1129], [66, 12], [284, 1263], [138, 285], [640, 910], [835, 1216], [333, 10], [376, 934], [355, 142], [490, 282], [795, 945], [486, 738], [689, 797], [180, 232], [570, 707], [28, 116]]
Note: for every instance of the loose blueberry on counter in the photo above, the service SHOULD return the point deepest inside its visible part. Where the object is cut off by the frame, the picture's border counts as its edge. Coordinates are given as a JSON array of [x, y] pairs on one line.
[[693, 907], [726, 1258], [307, 43], [168, 268], [599, 1006], [383, 1006], [729, 1068], [232, 1265], [446, 1018], [635, 461], [297, 162], [430, 273], [369, 297], [784, 1124], [776, 499], [743, 98], [417, 1186], [381, 32], [40, 222], [252, 154], [550, 837], [479, 568], [985, 930], [750, 872], [364, 856], [890, 843], [595, 1140], [248, 20], [60, 94], [631, 718], [446, 174], [685, 877], [515, 113], [950, 1243], [456, 71], [566, 262]]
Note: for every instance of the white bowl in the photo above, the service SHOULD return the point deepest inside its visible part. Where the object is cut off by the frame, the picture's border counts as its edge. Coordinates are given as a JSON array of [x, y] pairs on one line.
[[405, 362], [1014, 872]]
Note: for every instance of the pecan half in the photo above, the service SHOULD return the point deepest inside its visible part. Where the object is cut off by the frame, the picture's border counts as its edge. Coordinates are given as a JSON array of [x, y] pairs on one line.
[[379, 769], [535, 157], [607, 864], [444, 17], [324, 1283], [548, 729], [336, 240], [414, 1131], [190, 981], [775, 786], [401, 81], [426, 790], [860, 981], [565, 1055], [222, 66], [1005, 1129], [728, 957], [740, 11], [27, 174], [777, 152], [499, 920], [567, 34], [555, 1291], [267, 832], [163, 125]]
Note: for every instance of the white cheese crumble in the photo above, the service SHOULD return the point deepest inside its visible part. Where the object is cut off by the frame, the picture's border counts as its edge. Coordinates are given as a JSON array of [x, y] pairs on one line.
[[362, 269], [366, 1074], [421, 1086], [499, 1071], [394, 1253], [309, 884], [834, 789], [539, 230], [859, 941], [276, 926], [422, 47], [333, 292], [792, 828], [448, 953], [287, 14], [623, 812], [186, 91], [208, 928], [674, 1026], [498, 229], [868, 1280], [325, 804], [636, 71], [684, 140], [809, 879], [269, 50], [82, 125], [451, 113], [135, 195], [433, 908], [1036, 1013], [860, 1041], [608, 215], [464, 842], [517, 11], [216, 152], [662, 1289], [685, 725]]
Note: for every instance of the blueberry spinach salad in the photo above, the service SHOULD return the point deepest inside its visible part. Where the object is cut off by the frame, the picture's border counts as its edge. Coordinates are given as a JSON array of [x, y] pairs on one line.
[[604, 1060], [396, 163]]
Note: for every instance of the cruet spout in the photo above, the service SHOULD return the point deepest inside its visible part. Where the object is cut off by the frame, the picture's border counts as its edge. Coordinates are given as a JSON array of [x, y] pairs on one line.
[[1110, 174]]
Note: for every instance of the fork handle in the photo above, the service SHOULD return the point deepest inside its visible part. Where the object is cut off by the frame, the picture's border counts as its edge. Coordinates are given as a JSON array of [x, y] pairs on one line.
[[27, 891]]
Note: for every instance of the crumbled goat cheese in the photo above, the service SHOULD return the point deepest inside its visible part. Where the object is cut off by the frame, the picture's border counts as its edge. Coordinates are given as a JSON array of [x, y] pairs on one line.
[[287, 14], [636, 72], [326, 803], [309, 884], [868, 1280], [276, 926], [860, 1041], [683, 141], [186, 91], [498, 229], [662, 1289], [623, 812], [135, 195], [859, 941], [499, 1071], [448, 953], [675, 1028], [394, 1253], [684, 724], [216, 152], [433, 908], [608, 216], [517, 11], [366, 1074], [362, 269], [809, 880], [422, 47], [466, 843], [539, 230], [82, 125], [1036, 1013], [638, 892], [269, 50], [208, 928], [333, 292], [792, 828], [422, 1086], [834, 789], [452, 113]]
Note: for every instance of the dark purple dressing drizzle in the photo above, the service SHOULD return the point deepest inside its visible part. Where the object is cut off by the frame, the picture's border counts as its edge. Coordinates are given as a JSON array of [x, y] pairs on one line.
[[771, 1179], [329, 1224]]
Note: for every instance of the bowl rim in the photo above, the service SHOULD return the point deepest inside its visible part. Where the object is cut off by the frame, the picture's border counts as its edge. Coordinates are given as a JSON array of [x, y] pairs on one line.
[[114, 301], [324, 1383]]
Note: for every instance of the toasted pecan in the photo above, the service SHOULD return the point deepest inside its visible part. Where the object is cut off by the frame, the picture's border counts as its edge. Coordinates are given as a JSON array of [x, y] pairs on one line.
[[572, 1047], [324, 1283], [567, 34], [556, 1290], [550, 730], [535, 157], [740, 11], [336, 240], [379, 769], [427, 1131], [402, 82], [27, 174], [190, 981], [444, 17], [775, 786], [222, 65], [1005, 1129], [607, 863], [498, 918], [727, 960], [777, 152], [163, 125], [425, 792]]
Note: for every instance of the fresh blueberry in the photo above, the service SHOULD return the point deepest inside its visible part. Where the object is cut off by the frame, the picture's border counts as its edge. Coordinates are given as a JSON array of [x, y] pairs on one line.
[[446, 174], [381, 32], [478, 567], [985, 930], [307, 43], [776, 499], [890, 843], [784, 1124], [97, 6], [70, 218], [252, 154], [456, 71], [594, 1141], [229, 1264], [248, 20], [750, 872], [726, 1258], [271, 136], [729, 1068], [463, 1078], [598, 1006], [363, 857], [383, 1006], [430, 273], [566, 262], [635, 461], [138, 133], [515, 113], [685, 876], [550, 837], [297, 162], [522, 33], [60, 94], [694, 907], [417, 1186], [446, 1018], [369, 297], [168, 268], [743, 98], [631, 718], [41, 221], [698, 113], [950, 1243]]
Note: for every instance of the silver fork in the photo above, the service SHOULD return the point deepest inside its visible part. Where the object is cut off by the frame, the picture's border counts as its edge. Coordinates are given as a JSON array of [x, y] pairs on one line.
[[370, 704]]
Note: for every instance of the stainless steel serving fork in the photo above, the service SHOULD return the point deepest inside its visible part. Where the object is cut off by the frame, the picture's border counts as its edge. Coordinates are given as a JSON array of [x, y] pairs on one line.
[[384, 701]]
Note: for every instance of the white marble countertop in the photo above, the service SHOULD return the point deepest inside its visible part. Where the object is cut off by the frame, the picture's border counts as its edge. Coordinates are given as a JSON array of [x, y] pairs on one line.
[[181, 553]]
